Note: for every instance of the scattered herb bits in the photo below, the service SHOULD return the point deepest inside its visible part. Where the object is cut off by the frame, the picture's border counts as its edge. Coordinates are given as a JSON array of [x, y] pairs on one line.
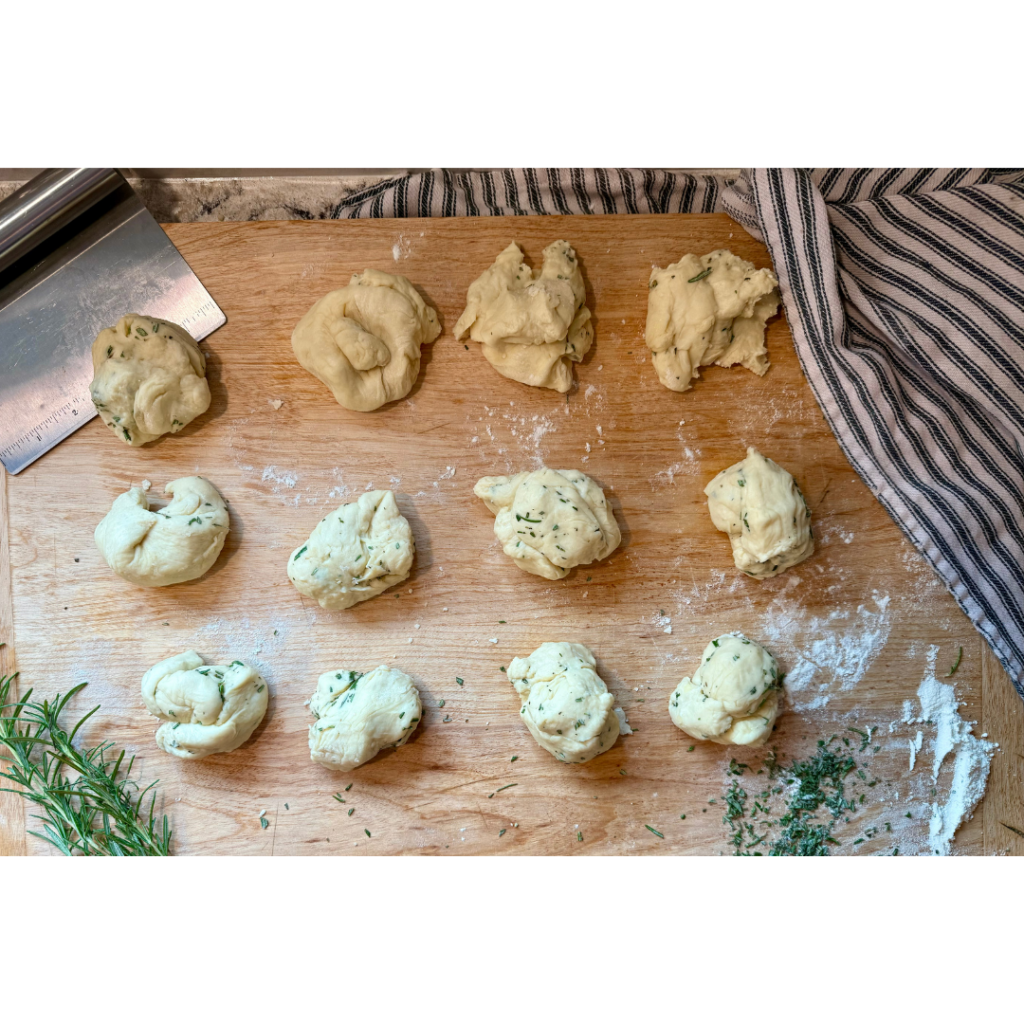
[[367, 831], [654, 830]]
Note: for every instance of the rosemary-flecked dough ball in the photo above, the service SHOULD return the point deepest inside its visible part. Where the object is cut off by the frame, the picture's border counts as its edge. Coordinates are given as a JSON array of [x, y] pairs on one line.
[[733, 697], [358, 715], [206, 709], [531, 325], [758, 504], [708, 309], [550, 520], [354, 553], [565, 703], [160, 547], [363, 341], [149, 378]]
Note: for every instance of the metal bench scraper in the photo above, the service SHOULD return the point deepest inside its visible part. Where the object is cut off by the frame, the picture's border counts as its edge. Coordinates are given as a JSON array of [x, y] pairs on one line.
[[78, 250]]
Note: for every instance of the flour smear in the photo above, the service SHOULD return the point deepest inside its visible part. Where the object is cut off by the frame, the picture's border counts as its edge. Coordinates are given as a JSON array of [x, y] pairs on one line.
[[971, 756]]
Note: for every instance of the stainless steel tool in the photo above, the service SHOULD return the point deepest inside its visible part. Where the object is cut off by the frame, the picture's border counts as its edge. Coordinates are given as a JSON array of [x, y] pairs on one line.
[[78, 250]]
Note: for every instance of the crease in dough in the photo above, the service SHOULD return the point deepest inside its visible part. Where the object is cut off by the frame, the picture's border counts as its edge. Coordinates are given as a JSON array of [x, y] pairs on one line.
[[149, 378], [550, 520], [161, 547], [359, 714], [733, 697], [531, 325], [758, 504], [206, 709], [363, 341], [564, 702], [708, 309], [354, 553]]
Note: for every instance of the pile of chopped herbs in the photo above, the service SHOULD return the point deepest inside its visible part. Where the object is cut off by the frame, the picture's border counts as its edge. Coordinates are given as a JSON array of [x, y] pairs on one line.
[[797, 812]]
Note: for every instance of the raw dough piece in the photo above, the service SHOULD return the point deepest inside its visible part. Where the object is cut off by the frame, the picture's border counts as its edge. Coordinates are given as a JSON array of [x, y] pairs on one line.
[[355, 553], [359, 715], [733, 697], [207, 710], [532, 326], [168, 545], [363, 341], [566, 705], [708, 309], [149, 378], [550, 520], [758, 504]]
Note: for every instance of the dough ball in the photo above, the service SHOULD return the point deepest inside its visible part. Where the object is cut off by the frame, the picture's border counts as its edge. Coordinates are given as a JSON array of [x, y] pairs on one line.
[[206, 710], [708, 309], [532, 325], [149, 378], [758, 504], [355, 553], [358, 715], [363, 341], [565, 704], [733, 697], [167, 545], [550, 520]]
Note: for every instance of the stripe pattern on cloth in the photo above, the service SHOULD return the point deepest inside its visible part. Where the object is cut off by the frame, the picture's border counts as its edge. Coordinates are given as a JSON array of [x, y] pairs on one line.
[[904, 290], [522, 192]]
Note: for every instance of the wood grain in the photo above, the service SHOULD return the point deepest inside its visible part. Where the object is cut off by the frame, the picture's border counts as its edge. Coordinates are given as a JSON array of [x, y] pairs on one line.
[[12, 808], [865, 594]]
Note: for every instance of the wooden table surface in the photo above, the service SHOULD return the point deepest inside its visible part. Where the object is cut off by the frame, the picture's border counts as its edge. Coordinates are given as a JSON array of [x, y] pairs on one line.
[[865, 609]]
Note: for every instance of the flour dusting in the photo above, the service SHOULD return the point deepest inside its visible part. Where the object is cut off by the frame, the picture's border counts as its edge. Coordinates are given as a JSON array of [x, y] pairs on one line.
[[840, 648]]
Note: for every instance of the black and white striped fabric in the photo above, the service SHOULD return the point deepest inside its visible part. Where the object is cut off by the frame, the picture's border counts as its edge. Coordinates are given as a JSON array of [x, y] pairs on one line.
[[904, 290], [518, 193], [905, 294]]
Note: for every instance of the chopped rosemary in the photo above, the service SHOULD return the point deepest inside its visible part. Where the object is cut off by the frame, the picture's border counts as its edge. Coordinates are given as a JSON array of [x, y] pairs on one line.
[[502, 832], [579, 837], [348, 787], [700, 276], [654, 830], [367, 831], [956, 664], [263, 822], [339, 798]]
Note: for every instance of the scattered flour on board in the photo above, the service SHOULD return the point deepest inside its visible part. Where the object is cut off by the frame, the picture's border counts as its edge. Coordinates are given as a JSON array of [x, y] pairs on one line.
[[280, 477], [401, 249], [836, 648], [972, 756]]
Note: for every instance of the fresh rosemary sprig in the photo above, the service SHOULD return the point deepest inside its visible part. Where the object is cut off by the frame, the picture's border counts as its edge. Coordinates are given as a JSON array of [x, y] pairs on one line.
[[88, 804]]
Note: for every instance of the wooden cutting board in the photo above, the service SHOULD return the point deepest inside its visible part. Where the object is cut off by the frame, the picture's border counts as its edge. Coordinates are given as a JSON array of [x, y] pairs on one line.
[[865, 609]]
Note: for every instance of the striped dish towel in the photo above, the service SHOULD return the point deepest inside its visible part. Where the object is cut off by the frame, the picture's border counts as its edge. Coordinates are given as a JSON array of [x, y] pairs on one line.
[[905, 294], [904, 290]]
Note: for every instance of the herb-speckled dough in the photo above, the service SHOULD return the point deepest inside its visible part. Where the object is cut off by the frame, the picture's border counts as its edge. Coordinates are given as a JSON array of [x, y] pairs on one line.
[[733, 697], [354, 553], [149, 378], [758, 504], [358, 715], [169, 545], [708, 309], [363, 341], [565, 703], [532, 326], [550, 520], [207, 709]]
